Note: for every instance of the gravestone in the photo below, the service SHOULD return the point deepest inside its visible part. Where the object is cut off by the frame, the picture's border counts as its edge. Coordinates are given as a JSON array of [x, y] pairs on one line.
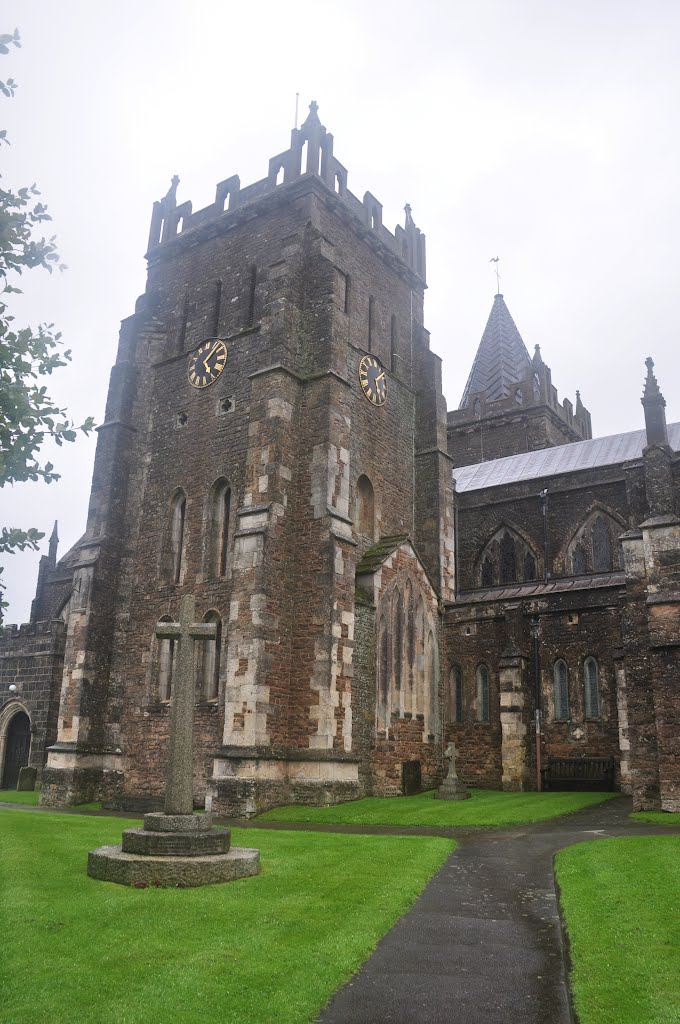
[[452, 788], [27, 779], [177, 847]]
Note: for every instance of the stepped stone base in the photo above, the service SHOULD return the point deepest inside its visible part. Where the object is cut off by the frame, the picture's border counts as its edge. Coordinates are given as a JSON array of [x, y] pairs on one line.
[[173, 850], [111, 864], [453, 789], [176, 844]]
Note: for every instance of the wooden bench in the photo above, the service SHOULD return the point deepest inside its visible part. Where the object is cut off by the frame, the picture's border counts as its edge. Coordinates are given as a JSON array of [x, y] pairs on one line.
[[579, 773]]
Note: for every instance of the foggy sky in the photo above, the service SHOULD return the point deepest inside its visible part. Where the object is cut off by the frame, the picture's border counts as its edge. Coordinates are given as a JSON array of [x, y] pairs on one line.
[[542, 132]]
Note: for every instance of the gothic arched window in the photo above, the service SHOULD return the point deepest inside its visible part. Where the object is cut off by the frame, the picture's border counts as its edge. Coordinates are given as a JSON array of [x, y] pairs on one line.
[[178, 510], [383, 674], [561, 691], [166, 664], [397, 633], [508, 559], [591, 681], [365, 507], [482, 693], [602, 546], [208, 660], [218, 526]]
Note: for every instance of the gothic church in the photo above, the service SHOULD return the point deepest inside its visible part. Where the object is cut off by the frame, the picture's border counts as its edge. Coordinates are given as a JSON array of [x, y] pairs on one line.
[[384, 576]]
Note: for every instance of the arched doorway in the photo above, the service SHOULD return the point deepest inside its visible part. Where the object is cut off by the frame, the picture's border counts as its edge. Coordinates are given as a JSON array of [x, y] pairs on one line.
[[17, 749]]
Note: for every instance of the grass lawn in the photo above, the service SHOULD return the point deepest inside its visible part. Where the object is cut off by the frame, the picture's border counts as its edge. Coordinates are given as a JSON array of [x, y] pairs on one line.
[[31, 798], [620, 898], [485, 807], [657, 817], [257, 951]]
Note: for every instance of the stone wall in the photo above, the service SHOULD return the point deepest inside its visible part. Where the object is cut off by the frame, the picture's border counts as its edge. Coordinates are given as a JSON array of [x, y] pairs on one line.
[[31, 658]]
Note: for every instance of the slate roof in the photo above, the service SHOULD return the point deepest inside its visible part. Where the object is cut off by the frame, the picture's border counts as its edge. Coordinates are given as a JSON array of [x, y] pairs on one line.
[[376, 555], [502, 360], [566, 458]]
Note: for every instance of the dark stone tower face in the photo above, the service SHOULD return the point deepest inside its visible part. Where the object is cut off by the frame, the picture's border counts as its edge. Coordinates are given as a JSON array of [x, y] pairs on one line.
[[509, 404], [239, 446]]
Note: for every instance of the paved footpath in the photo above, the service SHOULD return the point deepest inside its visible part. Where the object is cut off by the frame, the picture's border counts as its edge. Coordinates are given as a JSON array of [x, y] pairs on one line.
[[483, 944]]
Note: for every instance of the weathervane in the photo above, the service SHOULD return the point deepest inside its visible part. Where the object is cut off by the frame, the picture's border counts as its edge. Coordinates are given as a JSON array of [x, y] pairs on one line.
[[495, 259]]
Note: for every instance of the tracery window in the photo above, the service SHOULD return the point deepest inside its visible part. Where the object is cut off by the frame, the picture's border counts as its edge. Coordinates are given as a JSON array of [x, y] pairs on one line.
[[482, 693], [592, 546], [506, 558], [591, 681], [561, 691]]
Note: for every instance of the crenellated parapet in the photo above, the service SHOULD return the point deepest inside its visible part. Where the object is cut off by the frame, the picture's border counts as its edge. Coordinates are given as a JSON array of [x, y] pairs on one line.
[[310, 153]]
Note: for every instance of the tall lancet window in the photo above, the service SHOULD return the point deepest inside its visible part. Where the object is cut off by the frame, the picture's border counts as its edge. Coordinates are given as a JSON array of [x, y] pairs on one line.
[[208, 660], [592, 688], [178, 510], [365, 503], [561, 691], [482, 693], [166, 664], [218, 525]]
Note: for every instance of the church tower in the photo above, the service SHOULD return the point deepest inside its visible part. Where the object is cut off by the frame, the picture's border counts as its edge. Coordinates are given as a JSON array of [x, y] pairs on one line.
[[509, 404], [258, 453]]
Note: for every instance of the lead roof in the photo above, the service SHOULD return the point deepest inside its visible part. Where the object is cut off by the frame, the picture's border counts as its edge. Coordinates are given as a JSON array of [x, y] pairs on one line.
[[565, 458]]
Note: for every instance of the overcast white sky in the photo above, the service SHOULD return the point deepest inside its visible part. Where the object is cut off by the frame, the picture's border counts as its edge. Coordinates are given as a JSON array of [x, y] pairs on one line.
[[542, 132]]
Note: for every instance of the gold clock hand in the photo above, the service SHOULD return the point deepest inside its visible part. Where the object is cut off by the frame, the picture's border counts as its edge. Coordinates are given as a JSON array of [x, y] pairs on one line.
[[380, 376], [205, 361]]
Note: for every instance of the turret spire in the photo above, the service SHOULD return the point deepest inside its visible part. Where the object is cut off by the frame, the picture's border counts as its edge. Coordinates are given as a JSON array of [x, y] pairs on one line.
[[502, 360], [654, 405], [54, 543]]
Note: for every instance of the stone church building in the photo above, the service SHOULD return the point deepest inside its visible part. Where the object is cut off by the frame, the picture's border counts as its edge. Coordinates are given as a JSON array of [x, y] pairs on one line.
[[385, 576]]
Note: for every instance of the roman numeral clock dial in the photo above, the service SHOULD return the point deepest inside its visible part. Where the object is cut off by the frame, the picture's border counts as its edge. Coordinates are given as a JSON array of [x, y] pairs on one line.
[[207, 363], [373, 380]]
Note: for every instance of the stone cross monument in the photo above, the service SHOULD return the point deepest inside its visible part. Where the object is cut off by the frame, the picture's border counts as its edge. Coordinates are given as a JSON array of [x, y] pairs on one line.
[[177, 847], [452, 788], [179, 792]]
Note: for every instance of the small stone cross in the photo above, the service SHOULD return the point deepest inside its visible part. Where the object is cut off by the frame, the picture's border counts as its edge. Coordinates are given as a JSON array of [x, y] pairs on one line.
[[179, 793], [450, 752]]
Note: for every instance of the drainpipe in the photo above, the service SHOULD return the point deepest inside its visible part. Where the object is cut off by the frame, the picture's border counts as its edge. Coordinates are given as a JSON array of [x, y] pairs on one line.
[[536, 638], [544, 510]]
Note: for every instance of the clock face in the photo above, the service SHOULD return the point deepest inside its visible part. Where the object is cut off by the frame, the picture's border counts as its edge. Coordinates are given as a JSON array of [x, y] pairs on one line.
[[373, 380], [207, 363]]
